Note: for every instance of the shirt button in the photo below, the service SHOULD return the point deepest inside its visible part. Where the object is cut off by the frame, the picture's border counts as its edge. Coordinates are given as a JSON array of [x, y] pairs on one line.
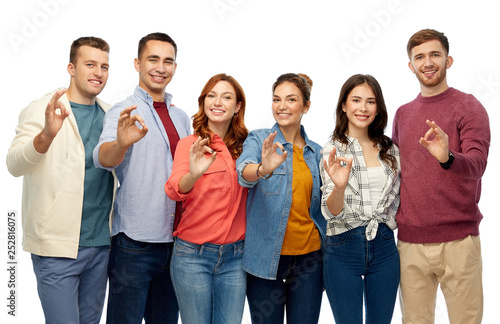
[[172, 215]]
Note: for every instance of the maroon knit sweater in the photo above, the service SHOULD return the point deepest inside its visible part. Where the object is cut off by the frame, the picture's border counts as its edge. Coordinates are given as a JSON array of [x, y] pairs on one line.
[[439, 205]]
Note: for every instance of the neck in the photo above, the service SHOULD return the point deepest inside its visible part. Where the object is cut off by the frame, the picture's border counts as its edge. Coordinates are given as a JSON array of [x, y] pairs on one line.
[[219, 129], [292, 135], [435, 90], [361, 135], [75, 96]]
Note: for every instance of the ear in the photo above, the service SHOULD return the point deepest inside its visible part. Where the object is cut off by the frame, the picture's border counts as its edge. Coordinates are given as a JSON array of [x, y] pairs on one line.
[[71, 69], [344, 109], [306, 107], [411, 67], [237, 108], [137, 65], [449, 61]]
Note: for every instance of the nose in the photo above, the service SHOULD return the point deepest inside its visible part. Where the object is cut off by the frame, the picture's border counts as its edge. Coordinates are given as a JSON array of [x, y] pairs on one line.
[[428, 61], [218, 101], [98, 71], [160, 68]]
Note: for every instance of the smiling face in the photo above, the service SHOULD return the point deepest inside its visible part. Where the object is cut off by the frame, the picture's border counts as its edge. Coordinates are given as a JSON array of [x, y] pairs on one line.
[[361, 109], [288, 105], [156, 67], [429, 62], [220, 105], [89, 74]]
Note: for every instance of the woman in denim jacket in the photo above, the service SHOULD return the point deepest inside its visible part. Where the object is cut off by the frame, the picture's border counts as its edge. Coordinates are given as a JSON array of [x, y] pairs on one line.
[[282, 253]]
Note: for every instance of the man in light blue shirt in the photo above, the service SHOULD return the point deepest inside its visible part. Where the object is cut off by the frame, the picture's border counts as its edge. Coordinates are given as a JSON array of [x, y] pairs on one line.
[[138, 142]]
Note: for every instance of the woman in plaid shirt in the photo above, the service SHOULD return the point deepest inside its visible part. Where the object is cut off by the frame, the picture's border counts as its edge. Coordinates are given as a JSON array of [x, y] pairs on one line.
[[361, 174]]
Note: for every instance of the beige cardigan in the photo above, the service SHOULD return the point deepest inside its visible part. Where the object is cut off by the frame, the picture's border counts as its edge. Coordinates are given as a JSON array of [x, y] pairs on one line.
[[53, 182]]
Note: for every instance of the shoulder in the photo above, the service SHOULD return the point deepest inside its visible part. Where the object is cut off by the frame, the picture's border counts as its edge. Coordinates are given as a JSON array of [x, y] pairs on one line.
[[262, 133]]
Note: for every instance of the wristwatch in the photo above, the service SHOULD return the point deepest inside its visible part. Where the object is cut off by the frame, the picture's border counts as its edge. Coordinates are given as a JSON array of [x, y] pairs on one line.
[[448, 163]]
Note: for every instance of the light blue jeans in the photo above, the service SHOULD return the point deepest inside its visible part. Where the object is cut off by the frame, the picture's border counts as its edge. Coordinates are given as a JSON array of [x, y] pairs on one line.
[[72, 291], [209, 282]]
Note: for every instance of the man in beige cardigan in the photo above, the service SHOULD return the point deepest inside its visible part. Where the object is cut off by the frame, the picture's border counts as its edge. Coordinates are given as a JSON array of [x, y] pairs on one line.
[[66, 200]]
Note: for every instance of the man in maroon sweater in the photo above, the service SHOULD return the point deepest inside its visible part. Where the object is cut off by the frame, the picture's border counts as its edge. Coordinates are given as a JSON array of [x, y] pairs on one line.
[[443, 136]]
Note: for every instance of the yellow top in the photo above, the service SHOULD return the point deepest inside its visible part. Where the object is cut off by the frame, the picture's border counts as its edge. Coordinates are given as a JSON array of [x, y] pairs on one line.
[[301, 236]]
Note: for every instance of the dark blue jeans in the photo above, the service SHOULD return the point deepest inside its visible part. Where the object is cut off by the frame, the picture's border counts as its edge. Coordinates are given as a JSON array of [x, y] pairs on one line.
[[298, 286], [357, 268], [139, 282]]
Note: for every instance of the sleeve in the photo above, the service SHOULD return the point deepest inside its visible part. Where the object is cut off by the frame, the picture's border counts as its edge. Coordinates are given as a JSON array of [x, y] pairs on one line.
[[22, 158], [108, 134], [251, 154], [474, 136], [327, 186], [395, 137], [179, 169]]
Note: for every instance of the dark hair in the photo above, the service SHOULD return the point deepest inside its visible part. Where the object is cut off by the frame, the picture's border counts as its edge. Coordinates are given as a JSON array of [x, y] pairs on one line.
[[162, 37], [376, 128], [426, 35], [94, 42], [237, 132], [301, 81]]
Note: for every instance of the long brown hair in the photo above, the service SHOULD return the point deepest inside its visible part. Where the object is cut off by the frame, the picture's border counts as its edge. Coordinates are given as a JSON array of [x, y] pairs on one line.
[[237, 132], [376, 128]]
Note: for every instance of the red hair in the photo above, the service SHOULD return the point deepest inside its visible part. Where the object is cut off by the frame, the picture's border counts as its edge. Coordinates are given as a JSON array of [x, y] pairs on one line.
[[237, 132]]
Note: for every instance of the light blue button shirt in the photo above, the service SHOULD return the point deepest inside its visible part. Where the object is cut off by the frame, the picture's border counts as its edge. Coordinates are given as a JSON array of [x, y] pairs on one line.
[[142, 209]]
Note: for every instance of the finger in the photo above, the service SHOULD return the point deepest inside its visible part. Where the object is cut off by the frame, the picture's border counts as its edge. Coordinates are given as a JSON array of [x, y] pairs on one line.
[[428, 134], [423, 142], [138, 118], [204, 141], [55, 98], [331, 156], [128, 110]]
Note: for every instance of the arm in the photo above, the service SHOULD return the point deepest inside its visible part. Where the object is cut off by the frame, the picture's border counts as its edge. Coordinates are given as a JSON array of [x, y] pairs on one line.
[[198, 164], [35, 134], [271, 159], [112, 153], [339, 176]]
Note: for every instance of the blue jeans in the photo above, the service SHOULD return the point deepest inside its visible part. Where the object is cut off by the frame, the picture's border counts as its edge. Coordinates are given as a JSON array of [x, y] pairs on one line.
[[72, 291], [298, 286], [139, 282], [209, 282], [357, 268]]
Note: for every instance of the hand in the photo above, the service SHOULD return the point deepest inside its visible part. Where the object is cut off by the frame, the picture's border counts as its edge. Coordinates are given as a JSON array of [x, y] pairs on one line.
[[128, 132], [338, 174], [270, 157], [199, 162], [438, 146], [54, 120]]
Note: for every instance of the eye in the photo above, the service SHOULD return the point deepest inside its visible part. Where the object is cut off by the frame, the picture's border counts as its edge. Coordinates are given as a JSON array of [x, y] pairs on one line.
[[227, 97], [105, 68], [372, 102], [210, 96], [276, 100], [153, 60]]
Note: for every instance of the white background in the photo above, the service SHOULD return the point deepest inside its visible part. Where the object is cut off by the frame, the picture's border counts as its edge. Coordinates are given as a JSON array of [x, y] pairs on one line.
[[255, 41]]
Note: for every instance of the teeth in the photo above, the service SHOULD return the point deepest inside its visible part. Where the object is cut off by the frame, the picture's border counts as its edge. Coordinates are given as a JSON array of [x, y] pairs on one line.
[[96, 82], [217, 110]]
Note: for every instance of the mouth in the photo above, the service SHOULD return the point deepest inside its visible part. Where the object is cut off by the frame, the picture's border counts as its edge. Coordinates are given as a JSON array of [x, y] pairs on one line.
[[217, 111], [362, 117], [429, 73], [94, 81], [158, 78]]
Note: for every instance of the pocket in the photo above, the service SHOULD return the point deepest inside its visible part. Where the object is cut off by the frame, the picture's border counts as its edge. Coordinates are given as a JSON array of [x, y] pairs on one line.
[[337, 240], [385, 232], [273, 185], [126, 243], [181, 248], [216, 177]]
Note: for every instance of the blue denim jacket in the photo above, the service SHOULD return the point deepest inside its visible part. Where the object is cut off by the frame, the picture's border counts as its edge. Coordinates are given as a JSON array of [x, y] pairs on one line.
[[269, 202]]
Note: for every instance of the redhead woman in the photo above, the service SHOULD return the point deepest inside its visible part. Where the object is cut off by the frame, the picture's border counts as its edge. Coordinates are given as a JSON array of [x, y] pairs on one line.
[[361, 173], [282, 256], [206, 271]]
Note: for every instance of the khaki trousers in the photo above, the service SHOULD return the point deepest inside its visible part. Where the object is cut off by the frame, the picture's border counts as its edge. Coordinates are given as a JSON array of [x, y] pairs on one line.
[[456, 266]]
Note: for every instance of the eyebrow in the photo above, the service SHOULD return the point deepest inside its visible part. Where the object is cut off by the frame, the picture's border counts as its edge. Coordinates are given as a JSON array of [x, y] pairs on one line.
[[226, 92], [153, 56], [362, 98]]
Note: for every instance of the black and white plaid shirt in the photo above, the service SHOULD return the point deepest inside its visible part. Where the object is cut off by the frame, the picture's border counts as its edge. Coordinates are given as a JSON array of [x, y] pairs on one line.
[[358, 210]]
